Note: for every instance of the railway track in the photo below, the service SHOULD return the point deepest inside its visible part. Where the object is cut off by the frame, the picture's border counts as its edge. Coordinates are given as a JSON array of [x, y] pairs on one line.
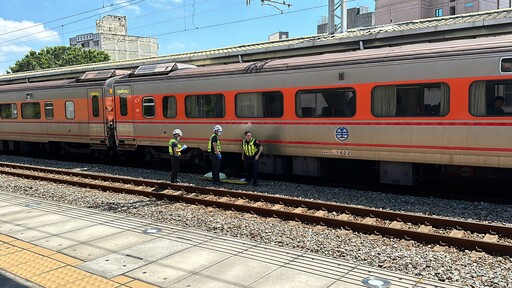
[[445, 232]]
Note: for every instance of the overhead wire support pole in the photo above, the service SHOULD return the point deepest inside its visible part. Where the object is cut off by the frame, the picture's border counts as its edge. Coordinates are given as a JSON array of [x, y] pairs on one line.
[[337, 17]]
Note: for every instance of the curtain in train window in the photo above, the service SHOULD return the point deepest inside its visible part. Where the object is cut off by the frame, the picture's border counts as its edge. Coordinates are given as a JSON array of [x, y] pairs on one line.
[[31, 110], [477, 99], [384, 101], [416, 100], [205, 106], [169, 106], [8, 111], [259, 104], [490, 98], [70, 109], [48, 110], [326, 103], [148, 107]]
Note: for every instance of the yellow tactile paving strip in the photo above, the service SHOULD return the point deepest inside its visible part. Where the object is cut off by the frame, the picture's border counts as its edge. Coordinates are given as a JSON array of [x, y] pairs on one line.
[[52, 269]]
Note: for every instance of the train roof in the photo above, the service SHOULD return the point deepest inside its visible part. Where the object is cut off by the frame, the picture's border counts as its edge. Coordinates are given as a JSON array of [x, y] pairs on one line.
[[454, 48]]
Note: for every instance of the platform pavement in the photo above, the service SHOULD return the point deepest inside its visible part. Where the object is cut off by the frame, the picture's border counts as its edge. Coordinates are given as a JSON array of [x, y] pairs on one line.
[[56, 245]]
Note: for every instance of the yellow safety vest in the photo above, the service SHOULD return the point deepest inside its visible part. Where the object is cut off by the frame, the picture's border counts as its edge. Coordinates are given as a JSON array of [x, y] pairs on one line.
[[210, 143], [249, 148], [171, 151]]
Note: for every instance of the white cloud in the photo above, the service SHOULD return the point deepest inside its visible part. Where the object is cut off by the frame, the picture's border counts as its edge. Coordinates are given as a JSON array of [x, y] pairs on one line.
[[122, 3], [163, 4], [176, 46], [14, 32], [19, 37]]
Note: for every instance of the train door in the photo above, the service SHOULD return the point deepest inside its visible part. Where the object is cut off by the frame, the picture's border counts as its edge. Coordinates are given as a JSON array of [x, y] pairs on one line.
[[96, 118], [124, 118]]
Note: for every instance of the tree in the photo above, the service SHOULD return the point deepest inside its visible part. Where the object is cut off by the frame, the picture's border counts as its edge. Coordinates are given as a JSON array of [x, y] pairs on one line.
[[57, 56]]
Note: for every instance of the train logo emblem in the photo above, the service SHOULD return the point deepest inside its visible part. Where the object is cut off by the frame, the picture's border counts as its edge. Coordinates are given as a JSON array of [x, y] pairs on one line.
[[341, 134]]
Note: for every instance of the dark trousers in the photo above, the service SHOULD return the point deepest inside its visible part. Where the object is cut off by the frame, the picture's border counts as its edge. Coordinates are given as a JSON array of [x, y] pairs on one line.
[[215, 167], [252, 167], [175, 162]]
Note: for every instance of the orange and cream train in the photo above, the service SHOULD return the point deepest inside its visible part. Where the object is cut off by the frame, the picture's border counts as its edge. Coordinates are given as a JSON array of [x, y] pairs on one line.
[[398, 107]]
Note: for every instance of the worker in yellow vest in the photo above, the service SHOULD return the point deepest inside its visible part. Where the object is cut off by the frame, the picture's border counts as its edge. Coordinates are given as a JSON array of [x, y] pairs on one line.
[[215, 155], [251, 151], [175, 149]]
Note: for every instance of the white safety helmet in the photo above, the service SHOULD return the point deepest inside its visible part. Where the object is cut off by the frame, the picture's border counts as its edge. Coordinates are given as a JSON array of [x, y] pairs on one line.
[[177, 132], [217, 128]]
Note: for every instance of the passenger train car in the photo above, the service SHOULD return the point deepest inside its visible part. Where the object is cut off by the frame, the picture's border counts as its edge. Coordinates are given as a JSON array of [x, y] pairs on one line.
[[398, 107]]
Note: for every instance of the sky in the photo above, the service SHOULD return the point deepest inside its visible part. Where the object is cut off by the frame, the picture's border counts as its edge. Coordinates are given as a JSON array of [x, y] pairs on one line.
[[179, 25]]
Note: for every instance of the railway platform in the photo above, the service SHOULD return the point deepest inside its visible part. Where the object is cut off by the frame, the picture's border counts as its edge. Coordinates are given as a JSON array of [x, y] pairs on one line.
[[55, 245]]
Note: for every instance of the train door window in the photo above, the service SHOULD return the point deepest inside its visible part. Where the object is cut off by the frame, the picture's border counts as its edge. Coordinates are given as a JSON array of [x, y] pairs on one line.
[[8, 111], [148, 107], [169, 106], [490, 98], [415, 100], [123, 104], [31, 110], [95, 106], [48, 110], [326, 103], [205, 106], [259, 104], [70, 109]]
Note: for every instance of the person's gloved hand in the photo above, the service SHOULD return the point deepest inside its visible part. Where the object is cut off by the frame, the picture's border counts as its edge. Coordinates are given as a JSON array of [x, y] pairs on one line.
[[219, 156], [183, 147]]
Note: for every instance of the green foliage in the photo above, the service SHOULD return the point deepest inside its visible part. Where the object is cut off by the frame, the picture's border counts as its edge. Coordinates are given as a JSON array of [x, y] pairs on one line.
[[57, 56]]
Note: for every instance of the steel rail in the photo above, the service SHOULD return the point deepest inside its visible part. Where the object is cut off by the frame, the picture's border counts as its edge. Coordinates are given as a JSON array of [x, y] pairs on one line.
[[156, 192]]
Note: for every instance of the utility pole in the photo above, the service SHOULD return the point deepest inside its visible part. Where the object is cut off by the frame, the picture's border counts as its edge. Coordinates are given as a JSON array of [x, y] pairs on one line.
[[337, 17]]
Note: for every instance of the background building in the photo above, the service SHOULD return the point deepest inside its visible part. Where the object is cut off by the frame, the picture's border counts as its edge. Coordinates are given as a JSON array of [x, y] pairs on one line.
[[278, 36], [360, 17], [111, 37], [356, 17], [392, 11]]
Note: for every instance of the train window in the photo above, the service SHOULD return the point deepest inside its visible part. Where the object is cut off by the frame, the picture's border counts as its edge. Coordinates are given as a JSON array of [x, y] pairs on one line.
[[70, 109], [326, 103], [259, 104], [8, 111], [490, 98], [169, 106], [148, 107], [31, 110], [95, 106], [123, 103], [205, 106], [48, 110], [506, 65], [415, 100]]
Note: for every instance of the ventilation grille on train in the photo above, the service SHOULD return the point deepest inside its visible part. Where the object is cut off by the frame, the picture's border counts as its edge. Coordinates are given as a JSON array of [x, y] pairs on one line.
[[159, 69], [100, 75]]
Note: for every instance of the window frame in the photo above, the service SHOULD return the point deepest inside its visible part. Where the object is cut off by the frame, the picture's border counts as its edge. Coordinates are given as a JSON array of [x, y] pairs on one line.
[[14, 112], [215, 112], [31, 103], [150, 104], [420, 85], [46, 109], [265, 107], [164, 107], [69, 107], [342, 106], [123, 102], [95, 105], [503, 93]]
